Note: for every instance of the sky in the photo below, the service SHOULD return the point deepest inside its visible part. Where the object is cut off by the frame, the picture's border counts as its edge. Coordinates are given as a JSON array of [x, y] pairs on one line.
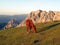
[[26, 6]]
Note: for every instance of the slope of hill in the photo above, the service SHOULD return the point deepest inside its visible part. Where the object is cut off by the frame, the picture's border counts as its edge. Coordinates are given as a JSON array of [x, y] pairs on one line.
[[47, 34]]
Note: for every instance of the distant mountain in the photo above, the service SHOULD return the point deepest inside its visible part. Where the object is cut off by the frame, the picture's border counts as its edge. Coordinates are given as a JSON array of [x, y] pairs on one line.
[[2, 25], [11, 24], [41, 16], [5, 19]]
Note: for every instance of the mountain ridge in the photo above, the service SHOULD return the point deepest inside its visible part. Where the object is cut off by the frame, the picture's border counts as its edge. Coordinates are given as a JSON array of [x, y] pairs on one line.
[[47, 34], [41, 16]]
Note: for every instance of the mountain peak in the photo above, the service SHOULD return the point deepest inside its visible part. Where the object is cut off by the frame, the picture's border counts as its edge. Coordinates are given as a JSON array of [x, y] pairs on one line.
[[12, 23]]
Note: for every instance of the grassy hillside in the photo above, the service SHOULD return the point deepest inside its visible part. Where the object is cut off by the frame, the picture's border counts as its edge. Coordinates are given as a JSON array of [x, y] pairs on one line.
[[47, 34]]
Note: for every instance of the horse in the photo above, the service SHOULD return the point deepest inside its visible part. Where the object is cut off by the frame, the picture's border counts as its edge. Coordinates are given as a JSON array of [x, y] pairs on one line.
[[30, 26]]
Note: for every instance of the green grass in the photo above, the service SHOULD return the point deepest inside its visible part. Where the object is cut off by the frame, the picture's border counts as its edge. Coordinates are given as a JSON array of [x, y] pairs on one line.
[[47, 34]]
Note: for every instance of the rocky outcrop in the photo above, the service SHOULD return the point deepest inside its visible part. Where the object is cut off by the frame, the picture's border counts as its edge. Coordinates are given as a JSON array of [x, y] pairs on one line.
[[57, 16], [40, 16], [11, 24]]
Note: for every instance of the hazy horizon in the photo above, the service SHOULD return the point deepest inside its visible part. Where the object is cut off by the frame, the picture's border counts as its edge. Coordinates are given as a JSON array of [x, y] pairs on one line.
[[26, 6]]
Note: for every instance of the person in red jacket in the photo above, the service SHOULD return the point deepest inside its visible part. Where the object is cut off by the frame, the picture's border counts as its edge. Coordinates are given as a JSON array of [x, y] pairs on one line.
[[30, 26]]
